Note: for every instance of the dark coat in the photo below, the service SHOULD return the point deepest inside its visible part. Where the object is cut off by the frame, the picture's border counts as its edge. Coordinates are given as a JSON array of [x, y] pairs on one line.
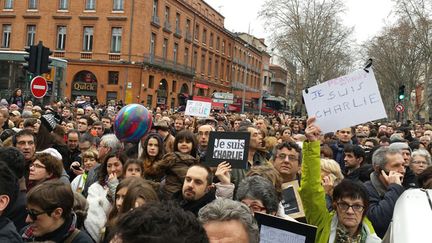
[[194, 206], [381, 203], [17, 212], [8, 232], [59, 235], [174, 166]]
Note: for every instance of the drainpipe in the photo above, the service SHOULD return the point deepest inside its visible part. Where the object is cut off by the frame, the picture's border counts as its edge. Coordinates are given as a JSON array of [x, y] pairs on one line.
[[129, 50]]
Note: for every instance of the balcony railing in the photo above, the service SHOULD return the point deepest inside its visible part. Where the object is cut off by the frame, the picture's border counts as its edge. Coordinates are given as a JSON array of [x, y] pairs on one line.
[[178, 32], [239, 86], [86, 55], [188, 37], [167, 27], [155, 21], [114, 56], [168, 65], [279, 80], [59, 54]]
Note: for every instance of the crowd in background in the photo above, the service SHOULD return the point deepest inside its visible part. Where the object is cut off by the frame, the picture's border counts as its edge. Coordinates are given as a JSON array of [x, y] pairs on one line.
[[65, 176]]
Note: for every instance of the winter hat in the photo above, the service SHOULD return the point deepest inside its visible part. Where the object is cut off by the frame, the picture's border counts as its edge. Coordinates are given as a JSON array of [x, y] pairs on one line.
[[53, 152], [50, 121], [399, 146], [396, 138], [3, 102]]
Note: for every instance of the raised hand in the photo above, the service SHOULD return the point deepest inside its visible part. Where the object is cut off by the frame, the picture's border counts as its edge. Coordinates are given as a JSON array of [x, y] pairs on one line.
[[312, 131], [223, 173]]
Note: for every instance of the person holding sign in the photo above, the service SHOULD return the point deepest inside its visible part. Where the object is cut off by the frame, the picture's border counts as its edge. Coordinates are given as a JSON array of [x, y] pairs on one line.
[[347, 222]]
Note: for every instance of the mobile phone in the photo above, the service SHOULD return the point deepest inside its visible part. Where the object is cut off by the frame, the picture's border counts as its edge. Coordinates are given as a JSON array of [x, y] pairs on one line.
[[385, 171], [76, 167]]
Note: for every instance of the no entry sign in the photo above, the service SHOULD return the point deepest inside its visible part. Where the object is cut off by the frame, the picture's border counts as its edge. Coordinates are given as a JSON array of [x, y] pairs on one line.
[[399, 107], [39, 87]]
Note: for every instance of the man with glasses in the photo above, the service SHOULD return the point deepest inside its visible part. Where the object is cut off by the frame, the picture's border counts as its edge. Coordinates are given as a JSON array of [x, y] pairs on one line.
[[50, 217], [84, 124], [287, 160], [347, 221]]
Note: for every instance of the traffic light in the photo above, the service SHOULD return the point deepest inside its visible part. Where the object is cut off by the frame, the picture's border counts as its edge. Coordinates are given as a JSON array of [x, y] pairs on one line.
[[31, 59], [45, 60], [401, 94]]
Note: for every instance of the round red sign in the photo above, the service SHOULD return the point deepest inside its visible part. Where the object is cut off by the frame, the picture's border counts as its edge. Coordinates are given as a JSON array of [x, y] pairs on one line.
[[399, 108], [39, 87]]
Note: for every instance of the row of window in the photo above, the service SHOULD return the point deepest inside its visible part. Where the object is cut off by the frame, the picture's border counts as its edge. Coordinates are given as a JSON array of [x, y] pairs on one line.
[[118, 5], [188, 28], [88, 32]]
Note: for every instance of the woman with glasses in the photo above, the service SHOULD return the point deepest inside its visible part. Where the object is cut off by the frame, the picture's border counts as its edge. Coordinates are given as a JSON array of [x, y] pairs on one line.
[[420, 160], [50, 216], [347, 221], [44, 167]]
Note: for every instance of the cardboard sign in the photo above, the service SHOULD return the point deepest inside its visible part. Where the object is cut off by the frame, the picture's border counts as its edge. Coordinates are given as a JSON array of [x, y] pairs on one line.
[[232, 147], [291, 200], [198, 108], [275, 230], [345, 101]]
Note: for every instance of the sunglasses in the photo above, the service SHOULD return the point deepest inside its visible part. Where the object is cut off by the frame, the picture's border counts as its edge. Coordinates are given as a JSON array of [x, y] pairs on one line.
[[33, 215]]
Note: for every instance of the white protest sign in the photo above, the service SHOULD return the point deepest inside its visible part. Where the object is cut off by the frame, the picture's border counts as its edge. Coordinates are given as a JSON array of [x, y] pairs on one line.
[[198, 108], [345, 101]]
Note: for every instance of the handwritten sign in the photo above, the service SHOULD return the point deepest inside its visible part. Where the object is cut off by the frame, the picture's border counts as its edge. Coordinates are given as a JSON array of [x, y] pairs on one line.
[[232, 147], [274, 229], [198, 108], [291, 200], [345, 101]]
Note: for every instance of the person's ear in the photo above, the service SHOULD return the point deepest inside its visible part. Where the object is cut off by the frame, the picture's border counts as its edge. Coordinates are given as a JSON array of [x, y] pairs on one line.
[[4, 202], [57, 213]]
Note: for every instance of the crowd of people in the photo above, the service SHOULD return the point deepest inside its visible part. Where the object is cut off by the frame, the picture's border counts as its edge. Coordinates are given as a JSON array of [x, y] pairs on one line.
[[66, 177]]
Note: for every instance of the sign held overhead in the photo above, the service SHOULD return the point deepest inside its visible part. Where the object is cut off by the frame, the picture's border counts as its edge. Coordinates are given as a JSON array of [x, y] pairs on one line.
[[345, 101]]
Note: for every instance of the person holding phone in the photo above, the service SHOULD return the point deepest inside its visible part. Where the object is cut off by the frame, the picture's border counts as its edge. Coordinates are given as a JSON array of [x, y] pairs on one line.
[[384, 187]]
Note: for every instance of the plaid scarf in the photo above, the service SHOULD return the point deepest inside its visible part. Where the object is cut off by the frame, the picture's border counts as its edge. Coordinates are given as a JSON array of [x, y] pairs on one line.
[[342, 235], [28, 234]]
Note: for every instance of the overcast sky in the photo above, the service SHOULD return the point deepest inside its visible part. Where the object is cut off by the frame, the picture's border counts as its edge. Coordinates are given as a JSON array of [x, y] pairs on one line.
[[367, 16]]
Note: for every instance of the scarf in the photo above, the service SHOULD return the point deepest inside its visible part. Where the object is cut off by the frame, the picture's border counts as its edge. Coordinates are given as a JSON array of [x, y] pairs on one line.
[[57, 235], [342, 235]]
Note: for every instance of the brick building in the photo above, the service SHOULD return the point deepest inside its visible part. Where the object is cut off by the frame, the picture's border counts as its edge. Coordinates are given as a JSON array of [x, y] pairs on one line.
[[158, 52]]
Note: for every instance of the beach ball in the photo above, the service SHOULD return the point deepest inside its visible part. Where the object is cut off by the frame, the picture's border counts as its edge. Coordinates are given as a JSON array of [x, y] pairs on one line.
[[132, 123]]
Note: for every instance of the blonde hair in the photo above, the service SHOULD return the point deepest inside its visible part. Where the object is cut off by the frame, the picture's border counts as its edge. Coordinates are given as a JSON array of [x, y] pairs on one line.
[[90, 153], [332, 167]]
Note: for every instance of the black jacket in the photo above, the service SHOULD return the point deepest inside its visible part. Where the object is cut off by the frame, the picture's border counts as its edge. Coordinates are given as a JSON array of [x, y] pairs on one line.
[[17, 212], [59, 235], [8, 232], [194, 206], [381, 203]]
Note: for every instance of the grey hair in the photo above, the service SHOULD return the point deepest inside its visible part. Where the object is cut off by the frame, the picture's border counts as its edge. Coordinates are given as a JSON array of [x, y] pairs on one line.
[[424, 153], [379, 157], [111, 141], [259, 188], [223, 209]]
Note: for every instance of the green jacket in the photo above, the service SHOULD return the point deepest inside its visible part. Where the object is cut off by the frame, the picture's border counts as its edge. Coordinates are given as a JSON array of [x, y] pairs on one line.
[[313, 197]]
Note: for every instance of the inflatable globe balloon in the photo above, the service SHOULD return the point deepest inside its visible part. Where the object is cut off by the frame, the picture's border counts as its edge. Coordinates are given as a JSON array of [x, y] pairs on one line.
[[132, 123]]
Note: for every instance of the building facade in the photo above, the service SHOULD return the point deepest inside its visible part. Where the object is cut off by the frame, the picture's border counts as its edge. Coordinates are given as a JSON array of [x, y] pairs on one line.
[[155, 52]]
